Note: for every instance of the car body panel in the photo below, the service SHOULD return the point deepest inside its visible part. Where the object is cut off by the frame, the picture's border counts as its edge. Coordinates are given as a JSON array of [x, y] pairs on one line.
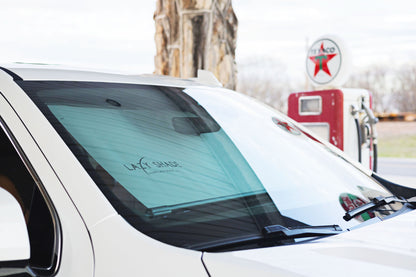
[[120, 250], [387, 248], [59, 73], [76, 258]]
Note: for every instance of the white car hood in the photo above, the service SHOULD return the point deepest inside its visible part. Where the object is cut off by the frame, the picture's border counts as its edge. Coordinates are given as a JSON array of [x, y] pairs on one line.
[[386, 248]]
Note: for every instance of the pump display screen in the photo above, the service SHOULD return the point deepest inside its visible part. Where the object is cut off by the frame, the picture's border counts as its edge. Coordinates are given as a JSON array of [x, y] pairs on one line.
[[310, 105]]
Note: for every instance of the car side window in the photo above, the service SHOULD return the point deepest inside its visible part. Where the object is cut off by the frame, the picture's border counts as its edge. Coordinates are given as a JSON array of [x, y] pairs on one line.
[[17, 177]]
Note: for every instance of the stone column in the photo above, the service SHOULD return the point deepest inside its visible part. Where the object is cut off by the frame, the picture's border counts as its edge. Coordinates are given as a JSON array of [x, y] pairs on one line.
[[196, 34]]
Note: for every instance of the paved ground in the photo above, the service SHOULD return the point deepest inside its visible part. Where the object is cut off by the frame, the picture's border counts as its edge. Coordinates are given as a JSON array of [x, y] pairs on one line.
[[401, 171]]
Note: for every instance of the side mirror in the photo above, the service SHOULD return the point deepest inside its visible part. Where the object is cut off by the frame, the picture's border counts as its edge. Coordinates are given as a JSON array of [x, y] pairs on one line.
[[14, 238]]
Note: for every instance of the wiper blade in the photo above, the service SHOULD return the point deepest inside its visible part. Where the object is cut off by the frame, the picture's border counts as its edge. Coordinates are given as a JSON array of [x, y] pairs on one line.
[[278, 231], [374, 204]]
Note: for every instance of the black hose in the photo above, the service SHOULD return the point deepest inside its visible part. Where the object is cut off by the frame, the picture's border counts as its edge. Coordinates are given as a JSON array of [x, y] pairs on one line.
[[375, 157], [357, 125]]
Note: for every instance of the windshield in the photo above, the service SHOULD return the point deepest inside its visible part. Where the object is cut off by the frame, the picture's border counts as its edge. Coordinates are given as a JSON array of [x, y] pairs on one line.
[[200, 170]]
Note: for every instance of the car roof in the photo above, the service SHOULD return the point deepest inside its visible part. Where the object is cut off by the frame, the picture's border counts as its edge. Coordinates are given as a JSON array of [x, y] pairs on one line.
[[40, 72]]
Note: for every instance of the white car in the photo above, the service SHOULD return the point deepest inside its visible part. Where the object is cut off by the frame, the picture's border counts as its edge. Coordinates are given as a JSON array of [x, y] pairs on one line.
[[110, 175]]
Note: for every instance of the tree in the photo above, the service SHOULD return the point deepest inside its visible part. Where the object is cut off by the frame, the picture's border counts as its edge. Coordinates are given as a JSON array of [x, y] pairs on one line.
[[378, 80], [405, 90], [196, 34], [266, 80], [393, 90]]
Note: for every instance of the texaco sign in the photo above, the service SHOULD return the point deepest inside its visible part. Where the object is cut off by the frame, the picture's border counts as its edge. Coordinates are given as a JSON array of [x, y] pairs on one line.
[[324, 61]]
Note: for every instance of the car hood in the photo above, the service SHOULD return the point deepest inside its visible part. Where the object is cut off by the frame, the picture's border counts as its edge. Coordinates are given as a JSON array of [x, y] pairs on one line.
[[386, 248]]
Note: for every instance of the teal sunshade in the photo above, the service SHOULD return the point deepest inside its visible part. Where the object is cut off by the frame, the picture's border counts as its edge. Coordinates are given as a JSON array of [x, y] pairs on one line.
[[156, 164]]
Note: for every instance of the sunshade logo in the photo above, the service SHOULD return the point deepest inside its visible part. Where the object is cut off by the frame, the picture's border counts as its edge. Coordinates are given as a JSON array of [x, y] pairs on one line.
[[323, 61], [150, 166]]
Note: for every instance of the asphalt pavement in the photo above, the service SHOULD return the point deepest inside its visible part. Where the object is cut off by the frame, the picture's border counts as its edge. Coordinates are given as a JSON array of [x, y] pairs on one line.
[[401, 171]]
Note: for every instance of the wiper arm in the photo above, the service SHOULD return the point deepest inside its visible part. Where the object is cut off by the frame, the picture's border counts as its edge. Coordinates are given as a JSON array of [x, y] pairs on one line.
[[274, 235], [278, 231], [374, 204]]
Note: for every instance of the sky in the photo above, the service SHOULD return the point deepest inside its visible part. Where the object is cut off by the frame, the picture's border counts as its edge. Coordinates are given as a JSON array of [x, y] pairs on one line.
[[119, 35]]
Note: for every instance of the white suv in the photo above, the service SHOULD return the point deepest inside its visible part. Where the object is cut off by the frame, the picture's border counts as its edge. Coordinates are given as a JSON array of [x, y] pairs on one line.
[[110, 175]]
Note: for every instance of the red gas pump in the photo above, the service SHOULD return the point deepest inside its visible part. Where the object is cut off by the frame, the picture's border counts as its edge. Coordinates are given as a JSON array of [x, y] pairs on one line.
[[339, 115]]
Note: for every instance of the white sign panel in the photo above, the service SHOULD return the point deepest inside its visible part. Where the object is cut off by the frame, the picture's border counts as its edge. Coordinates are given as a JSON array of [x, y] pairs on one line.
[[327, 62]]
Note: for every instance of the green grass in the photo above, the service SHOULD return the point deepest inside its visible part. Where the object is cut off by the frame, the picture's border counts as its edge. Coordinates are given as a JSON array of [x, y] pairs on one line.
[[398, 147]]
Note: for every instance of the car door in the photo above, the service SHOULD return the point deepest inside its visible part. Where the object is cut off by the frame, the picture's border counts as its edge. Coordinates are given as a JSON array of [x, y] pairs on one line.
[[59, 241]]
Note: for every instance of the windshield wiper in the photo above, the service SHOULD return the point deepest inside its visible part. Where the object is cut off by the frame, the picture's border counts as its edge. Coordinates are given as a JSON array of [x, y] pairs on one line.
[[374, 204], [274, 235], [278, 231]]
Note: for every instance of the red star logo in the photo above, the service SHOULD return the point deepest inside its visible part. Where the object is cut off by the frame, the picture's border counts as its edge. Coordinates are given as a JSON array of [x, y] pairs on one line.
[[321, 61], [286, 126]]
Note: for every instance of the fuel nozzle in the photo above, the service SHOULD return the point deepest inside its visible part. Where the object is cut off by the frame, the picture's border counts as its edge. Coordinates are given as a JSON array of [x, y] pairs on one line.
[[372, 119], [354, 110]]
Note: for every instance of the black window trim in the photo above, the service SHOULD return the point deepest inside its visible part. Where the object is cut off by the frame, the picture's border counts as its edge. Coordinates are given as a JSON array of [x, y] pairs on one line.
[[57, 252]]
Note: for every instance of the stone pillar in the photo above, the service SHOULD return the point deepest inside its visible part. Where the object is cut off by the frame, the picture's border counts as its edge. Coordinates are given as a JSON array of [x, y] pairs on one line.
[[196, 34]]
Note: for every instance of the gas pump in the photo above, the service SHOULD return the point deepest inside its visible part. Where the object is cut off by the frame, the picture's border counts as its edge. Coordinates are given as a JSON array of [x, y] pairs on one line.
[[342, 116]]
